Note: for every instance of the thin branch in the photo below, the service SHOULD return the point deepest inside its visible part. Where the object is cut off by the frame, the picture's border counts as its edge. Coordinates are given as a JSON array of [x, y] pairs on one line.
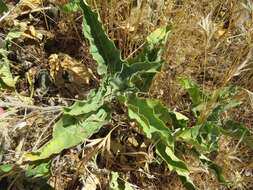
[[20, 105]]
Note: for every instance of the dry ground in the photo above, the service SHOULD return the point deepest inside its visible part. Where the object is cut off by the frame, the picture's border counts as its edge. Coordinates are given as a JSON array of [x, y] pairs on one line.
[[211, 42]]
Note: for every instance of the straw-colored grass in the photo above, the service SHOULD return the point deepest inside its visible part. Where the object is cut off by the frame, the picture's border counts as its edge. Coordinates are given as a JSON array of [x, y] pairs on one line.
[[211, 42]]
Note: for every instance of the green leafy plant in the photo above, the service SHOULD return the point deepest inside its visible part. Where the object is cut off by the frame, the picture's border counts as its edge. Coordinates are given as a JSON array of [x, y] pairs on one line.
[[208, 110], [210, 125], [127, 82], [71, 6], [6, 78], [5, 168], [119, 79], [3, 7], [116, 183]]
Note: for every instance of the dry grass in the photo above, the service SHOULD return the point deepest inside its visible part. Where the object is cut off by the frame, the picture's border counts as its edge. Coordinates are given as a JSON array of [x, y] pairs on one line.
[[211, 42]]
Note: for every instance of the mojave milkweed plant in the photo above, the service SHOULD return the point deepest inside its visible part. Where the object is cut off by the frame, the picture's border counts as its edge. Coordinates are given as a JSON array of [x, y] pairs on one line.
[[125, 81]]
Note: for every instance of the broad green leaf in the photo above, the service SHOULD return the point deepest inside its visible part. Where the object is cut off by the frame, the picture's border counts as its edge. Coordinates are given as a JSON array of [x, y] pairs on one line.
[[210, 131], [145, 113], [210, 135], [214, 167], [190, 136], [93, 103], [5, 168], [142, 69], [154, 46], [38, 170], [221, 107], [175, 119], [69, 132], [140, 75], [224, 101], [95, 100], [5, 73], [203, 138], [102, 48], [238, 131], [178, 120], [193, 90], [175, 164], [142, 110], [6, 78], [156, 41], [13, 34], [71, 6], [3, 7]]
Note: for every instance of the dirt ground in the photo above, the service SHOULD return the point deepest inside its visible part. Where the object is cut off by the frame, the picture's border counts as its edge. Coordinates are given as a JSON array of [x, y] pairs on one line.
[[211, 42]]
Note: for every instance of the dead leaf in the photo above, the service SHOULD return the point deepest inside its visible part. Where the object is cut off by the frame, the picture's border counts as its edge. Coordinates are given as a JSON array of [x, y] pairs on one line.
[[31, 33], [32, 4], [68, 72], [91, 183]]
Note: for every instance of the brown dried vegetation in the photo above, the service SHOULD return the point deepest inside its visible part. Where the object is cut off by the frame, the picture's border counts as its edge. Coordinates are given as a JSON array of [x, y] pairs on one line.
[[211, 42]]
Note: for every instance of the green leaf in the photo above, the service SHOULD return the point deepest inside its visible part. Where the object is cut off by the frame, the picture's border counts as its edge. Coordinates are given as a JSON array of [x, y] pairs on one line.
[[38, 170], [210, 135], [146, 113], [5, 73], [203, 137], [141, 70], [3, 7], [154, 46], [95, 99], [222, 100], [238, 131], [12, 35], [69, 132], [175, 164], [208, 129], [93, 103], [142, 81], [193, 90], [214, 167], [6, 79], [102, 48], [178, 120], [140, 75], [116, 183], [221, 107], [127, 186], [5, 168], [141, 67], [142, 110], [190, 136], [71, 6], [228, 92]]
